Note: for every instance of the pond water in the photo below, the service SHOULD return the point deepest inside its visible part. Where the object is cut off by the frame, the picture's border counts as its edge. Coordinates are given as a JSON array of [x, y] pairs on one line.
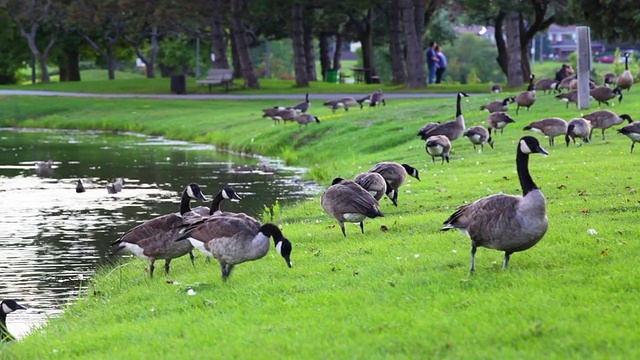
[[52, 238]]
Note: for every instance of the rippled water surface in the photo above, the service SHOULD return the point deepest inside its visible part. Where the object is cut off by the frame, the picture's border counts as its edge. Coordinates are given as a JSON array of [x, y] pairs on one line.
[[52, 238]]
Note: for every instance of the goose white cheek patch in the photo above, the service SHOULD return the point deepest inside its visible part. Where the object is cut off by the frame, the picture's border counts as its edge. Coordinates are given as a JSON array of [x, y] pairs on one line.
[[6, 309], [279, 247], [524, 147], [190, 192]]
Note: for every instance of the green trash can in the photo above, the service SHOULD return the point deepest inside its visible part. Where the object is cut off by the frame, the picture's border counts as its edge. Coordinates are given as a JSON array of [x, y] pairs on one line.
[[332, 76]]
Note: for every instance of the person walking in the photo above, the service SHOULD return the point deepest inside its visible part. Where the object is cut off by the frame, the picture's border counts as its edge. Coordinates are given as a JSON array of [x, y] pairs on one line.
[[565, 70], [442, 64], [432, 61]]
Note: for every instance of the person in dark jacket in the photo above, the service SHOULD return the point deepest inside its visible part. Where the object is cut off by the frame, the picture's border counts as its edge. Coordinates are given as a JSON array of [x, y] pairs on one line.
[[442, 64], [565, 70]]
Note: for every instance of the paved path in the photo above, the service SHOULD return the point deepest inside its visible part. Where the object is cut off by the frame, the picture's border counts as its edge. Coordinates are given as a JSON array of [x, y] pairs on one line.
[[217, 96]]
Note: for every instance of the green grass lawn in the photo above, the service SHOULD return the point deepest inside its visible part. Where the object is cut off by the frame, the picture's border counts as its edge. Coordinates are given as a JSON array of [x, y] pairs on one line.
[[401, 293]]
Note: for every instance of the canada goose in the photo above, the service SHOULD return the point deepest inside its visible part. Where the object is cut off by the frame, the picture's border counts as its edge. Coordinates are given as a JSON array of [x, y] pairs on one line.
[[373, 182], [426, 128], [545, 84], [395, 174], [80, 186], [116, 186], [438, 145], [498, 105], [345, 103], [276, 114], [226, 193], [499, 120], [574, 84], [565, 83], [303, 107], [550, 127], [496, 88], [509, 223], [364, 99], [233, 240], [478, 135], [526, 98], [7, 306], [610, 78], [377, 97], [632, 131], [602, 94], [346, 201], [156, 238], [452, 129], [305, 119], [578, 128], [569, 97], [625, 80], [604, 119]]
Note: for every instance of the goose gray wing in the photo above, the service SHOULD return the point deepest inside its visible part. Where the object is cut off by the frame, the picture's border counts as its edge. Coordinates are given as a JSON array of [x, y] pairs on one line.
[[488, 219], [151, 228]]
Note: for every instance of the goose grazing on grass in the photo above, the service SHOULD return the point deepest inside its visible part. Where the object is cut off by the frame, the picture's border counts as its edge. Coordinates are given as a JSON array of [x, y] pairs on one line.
[[156, 238], [303, 107], [610, 78], [625, 80], [499, 120], [233, 240], [438, 145], [578, 128], [79, 186], [451, 129], [550, 127], [478, 135], [632, 131], [395, 174], [503, 222], [305, 119], [546, 84], [496, 88], [373, 182], [344, 103], [7, 306], [116, 186], [226, 193], [377, 98], [604, 119], [602, 94], [276, 114], [569, 97], [346, 201], [526, 98], [497, 105]]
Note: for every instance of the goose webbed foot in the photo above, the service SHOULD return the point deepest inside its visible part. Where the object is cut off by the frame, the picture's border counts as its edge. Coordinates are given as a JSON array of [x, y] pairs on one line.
[[226, 271]]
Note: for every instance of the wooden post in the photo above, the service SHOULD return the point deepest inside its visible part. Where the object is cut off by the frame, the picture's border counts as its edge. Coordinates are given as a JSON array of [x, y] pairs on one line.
[[584, 66]]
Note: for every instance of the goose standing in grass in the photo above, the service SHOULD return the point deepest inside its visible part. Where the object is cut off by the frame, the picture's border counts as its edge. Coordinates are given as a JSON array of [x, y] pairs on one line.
[[550, 127], [373, 182], [364, 100], [526, 98], [569, 97], [377, 98], [233, 240], [497, 105], [156, 238], [116, 186], [343, 103], [499, 120], [625, 80], [610, 79], [632, 131], [303, 107], [602, 94], [276, 114], [578, 128], [346, 201], [451, 129], [7, 306], [495, 88], [438, 145], [545, 84], [503, 222], [79, 186], [478, 135], [604, 119], [305, 119], [395, 174]]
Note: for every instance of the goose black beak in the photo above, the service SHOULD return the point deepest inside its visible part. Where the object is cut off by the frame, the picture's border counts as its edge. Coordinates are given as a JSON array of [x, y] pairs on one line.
[[542, 151]]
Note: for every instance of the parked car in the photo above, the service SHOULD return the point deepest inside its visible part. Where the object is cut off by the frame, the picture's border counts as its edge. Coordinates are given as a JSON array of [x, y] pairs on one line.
[[607, 59]]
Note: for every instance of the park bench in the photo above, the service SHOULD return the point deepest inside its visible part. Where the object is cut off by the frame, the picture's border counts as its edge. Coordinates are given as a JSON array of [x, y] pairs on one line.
[[218, 76]]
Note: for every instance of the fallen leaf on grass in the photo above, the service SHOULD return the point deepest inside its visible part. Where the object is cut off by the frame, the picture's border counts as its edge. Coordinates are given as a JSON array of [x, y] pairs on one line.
[[604, 252], [384, 228], [584, 211], [562, 187], [331, 226], [505, 177], [630, 189]]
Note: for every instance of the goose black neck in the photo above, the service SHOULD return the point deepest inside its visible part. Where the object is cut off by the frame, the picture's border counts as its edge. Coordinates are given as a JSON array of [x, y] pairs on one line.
[[185, 206], [458, 108], [522, 164], [215, 204], [626, 63], [271, 230]]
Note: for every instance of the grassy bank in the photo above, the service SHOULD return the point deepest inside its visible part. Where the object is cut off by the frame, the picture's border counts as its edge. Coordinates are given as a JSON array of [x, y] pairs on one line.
[[402, 293]]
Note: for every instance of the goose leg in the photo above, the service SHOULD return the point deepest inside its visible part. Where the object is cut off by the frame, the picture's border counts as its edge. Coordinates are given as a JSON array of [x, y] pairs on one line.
[[633, 144], [507, 255], [590, 133], [474, 247], [167, 264], [447, 159], [602, 134], [192, 257], [362, 226], [395, 197], [226, 271], [151, 267], [342, 227]]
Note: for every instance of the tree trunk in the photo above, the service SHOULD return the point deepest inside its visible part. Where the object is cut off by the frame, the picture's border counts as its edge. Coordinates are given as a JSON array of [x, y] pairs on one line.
[[337, 55], [514, 77], [503, 58], [395, 44], [244, 55], [415, 60], [366, 39], [325, 59], [237, 67], [309, 51], [218, 39], [110, 63], [297, 35], [525, 45], [73, 65]]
